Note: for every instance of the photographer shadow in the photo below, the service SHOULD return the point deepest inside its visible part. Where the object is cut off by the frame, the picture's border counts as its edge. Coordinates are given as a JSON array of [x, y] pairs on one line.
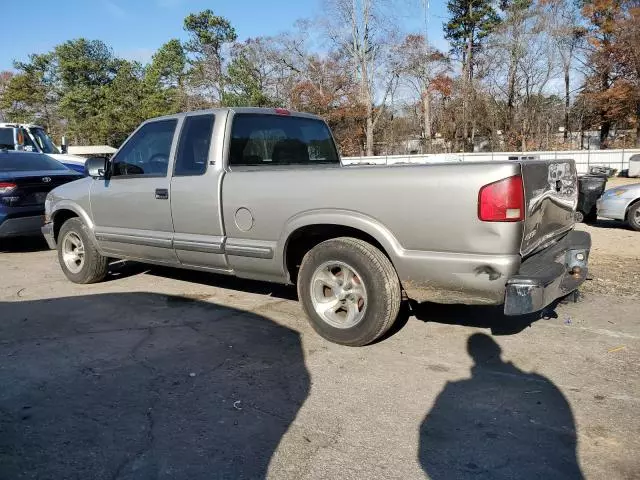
[[500, 423]]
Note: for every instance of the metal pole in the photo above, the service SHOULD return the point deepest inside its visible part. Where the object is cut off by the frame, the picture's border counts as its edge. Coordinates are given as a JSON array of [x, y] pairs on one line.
[[622, 161]]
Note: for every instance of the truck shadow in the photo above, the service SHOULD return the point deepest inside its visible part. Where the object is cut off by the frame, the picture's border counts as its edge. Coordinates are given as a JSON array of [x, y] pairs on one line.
[[479, 316], [23, 244], [284, 292], [490, 317], [143, 385]]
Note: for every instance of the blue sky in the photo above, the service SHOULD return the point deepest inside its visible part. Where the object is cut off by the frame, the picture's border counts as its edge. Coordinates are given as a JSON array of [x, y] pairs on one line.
[[136, 28]]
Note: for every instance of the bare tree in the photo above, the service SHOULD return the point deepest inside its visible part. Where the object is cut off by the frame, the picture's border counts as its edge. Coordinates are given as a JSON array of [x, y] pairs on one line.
[[562, 19], [361, 28], [419, 65]]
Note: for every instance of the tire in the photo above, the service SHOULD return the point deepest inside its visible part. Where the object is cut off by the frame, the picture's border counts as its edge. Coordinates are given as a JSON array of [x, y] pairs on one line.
[[86, 267], [633, 216], [579, 216], [359, 283]]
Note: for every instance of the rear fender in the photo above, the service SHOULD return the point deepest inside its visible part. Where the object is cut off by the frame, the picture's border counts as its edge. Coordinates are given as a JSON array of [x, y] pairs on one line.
[[344, 218]]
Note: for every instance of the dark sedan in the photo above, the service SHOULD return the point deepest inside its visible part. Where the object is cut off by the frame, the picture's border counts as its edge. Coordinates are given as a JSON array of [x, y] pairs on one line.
[[25, 180]]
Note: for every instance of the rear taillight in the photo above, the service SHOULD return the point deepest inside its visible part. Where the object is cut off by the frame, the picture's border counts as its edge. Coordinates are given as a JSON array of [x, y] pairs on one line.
[[282, 111], [502, 201], [7, 187]]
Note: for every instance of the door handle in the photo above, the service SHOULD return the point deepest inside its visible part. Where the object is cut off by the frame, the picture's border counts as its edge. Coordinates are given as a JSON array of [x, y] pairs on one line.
[[162, 194]]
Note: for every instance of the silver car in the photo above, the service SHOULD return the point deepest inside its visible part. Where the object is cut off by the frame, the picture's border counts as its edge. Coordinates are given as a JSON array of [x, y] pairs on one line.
[[622, 203]]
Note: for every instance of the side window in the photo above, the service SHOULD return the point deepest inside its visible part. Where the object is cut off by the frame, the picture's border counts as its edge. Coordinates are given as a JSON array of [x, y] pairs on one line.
[[27, 142], [193, 149], [280, 140], [6, 139], [147, 152]]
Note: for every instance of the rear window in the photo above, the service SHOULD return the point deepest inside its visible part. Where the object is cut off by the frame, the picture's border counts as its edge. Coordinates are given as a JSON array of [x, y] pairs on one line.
[[6, 138], [25, 162], [280, 140]]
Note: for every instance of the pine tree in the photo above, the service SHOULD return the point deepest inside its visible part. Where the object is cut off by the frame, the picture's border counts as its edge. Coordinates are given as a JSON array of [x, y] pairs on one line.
[[470, 23]]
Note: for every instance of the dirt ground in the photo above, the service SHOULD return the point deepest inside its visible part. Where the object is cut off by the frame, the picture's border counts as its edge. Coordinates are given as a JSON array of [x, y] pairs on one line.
[[168, 374]]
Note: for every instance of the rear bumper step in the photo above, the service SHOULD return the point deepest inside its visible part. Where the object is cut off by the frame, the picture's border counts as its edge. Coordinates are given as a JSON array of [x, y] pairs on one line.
[[548, 275]]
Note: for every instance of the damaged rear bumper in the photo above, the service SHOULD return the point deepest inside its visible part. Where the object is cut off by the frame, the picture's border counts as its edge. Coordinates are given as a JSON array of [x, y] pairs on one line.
[[548, 275]]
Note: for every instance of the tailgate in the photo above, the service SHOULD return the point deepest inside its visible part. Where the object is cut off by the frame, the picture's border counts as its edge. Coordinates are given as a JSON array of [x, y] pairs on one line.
[[551, 196]]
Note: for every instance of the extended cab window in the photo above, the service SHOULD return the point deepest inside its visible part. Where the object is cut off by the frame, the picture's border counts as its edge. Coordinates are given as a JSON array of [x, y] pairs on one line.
[[193, 149], [147, 152], [280, 140]]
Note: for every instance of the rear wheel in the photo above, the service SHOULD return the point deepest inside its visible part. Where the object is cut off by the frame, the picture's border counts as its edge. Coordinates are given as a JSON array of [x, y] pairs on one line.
[[349, 290], [633, 216], [80, 260]]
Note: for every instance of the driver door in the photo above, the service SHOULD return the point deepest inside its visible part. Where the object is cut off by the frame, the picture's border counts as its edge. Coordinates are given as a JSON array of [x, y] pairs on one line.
[[131, 210]]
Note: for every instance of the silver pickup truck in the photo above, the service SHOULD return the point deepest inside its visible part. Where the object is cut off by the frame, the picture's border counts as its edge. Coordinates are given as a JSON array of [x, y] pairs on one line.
[[261, 194]]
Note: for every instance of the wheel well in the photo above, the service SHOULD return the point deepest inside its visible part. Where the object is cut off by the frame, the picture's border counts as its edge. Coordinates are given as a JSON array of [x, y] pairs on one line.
[[59, 218], [305, 238], [630, 206]]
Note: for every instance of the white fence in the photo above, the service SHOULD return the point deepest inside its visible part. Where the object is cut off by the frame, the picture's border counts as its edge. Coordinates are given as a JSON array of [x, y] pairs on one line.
[[618, 159]]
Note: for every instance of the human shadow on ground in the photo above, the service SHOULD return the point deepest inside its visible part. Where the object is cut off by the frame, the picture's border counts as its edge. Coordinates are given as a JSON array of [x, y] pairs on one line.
[[142, 385], [500, 423]]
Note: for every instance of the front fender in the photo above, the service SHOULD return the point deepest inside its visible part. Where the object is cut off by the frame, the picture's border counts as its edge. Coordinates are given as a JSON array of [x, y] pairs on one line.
[[63, 205]]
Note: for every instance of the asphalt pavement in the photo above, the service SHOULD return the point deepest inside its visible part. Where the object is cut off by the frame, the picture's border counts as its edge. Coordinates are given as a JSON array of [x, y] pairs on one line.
[[168, 374]]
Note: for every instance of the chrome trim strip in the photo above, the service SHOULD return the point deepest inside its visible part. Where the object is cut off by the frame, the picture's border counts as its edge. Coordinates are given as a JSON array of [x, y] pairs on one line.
[[192, 246], [244, 250], [133, 239]]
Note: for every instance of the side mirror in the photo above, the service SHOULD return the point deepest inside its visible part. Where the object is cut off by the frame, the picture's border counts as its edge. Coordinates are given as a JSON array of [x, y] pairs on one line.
[[96, 167], [64, 147]]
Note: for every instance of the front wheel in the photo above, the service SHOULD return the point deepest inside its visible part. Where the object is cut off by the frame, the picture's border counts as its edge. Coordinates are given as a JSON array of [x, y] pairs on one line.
[[349, 290], [80, 260], [633, 216]]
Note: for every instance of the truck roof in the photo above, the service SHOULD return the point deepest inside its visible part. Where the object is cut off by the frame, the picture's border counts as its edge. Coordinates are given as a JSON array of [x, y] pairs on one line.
[[18, 125], [254, 110]]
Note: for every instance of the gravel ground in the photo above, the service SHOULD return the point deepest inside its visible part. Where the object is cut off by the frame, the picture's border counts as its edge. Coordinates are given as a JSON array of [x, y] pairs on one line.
[[178, 375]]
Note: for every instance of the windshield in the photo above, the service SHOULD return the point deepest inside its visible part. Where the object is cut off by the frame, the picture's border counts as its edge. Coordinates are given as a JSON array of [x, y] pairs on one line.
[[43, 140], [26, 162], [6, 139]]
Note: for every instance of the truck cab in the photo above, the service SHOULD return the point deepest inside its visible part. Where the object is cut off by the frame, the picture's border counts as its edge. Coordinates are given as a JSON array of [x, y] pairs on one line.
[[28, 137]]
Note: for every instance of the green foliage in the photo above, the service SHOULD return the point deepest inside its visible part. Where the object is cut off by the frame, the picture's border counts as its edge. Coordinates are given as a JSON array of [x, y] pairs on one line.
[[245, 80], [124, 104], [84, 68], [470, 21], [168, 65], [30, 95], [97, 97], [164, 80], [208, 30], [208, 34]]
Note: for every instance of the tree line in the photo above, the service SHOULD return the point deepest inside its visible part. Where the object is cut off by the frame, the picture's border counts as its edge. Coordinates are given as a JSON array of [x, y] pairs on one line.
[[519, 75]]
